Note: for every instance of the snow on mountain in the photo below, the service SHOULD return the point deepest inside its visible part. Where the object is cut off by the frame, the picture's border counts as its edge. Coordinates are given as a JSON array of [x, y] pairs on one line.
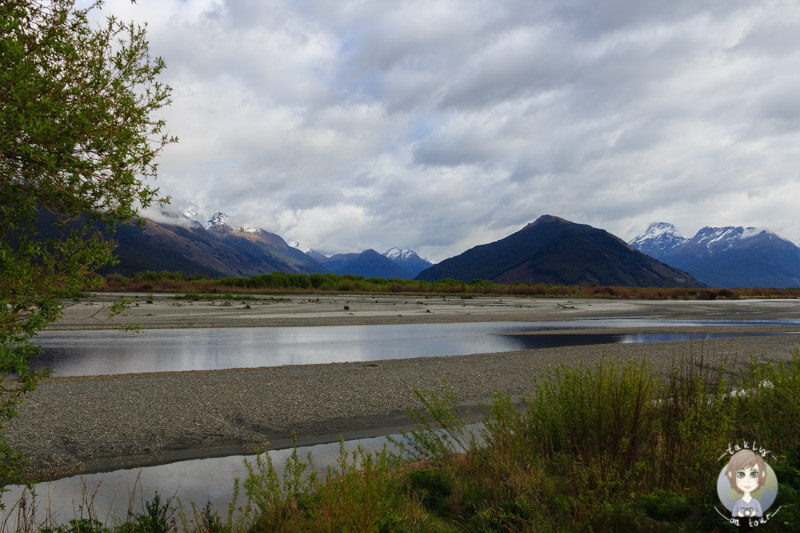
[[220, 219], [397, 254], [217, 219], [729, 256], [167, 214], [657, 238], [248, 229], [715, 240], [661, 238], [408, 259]]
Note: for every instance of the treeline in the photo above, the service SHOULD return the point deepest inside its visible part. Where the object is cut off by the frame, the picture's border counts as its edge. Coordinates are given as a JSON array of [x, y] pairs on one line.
[[165, 281]]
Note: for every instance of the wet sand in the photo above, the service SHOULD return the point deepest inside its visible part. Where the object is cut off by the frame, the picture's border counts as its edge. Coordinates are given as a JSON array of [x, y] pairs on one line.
[[87, 424]]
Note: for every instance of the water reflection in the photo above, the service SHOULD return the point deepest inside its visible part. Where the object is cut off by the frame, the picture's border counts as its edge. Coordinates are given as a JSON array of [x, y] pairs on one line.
[[556, 340], [199, 481], [211, 480], [83, 353]]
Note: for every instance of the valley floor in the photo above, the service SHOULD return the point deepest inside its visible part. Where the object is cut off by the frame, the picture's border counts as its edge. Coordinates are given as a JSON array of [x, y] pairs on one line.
[[86, 424]]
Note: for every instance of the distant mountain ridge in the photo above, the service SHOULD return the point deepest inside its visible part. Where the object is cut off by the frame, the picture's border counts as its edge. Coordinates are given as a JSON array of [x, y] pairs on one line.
[[178, 243], [558, 251], [555, 250], [408, 259], [395, 263], [730, 256]]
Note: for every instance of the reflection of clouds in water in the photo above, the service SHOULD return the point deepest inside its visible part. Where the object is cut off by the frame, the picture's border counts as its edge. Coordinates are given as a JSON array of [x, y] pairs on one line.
[[199, 481], [76, 353]]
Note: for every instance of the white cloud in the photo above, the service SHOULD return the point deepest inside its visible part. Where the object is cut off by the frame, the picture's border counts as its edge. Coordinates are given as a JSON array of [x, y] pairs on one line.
[[439, 124]]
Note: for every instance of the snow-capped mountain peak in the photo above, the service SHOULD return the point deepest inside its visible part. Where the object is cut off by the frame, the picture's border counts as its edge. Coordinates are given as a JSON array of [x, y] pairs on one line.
[[658, 237], [399, 254], [408, 259], [657, 230], [731, 256], [217, 219], [718, 239]]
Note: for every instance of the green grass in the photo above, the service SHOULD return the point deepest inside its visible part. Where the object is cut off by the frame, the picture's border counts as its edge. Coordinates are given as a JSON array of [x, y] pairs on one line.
[[617, 446], [295, 283]]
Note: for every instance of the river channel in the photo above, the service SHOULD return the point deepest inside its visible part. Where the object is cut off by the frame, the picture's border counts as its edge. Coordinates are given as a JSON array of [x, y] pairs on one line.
[[87, 352], [104, 352]]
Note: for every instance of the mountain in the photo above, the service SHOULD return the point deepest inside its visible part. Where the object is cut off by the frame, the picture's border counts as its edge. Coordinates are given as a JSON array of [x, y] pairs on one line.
[[730, 256], [177, 243], [554, 250], [318, 256], [218, 219], [658, 238], [368, 263], [408, 259]]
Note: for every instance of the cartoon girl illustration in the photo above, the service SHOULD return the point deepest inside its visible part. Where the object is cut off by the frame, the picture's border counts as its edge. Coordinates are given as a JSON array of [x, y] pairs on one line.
[[746, 473]]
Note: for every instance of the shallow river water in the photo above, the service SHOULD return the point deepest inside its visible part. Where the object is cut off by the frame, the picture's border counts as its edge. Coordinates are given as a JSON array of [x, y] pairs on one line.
[[75, 353], [99, 352]]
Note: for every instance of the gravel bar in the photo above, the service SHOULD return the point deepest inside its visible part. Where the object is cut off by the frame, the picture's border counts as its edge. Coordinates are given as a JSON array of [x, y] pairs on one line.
[[88, 424]]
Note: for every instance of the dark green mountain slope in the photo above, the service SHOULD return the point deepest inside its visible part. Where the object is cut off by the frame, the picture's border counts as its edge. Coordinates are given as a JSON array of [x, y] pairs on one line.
[[554, 250]]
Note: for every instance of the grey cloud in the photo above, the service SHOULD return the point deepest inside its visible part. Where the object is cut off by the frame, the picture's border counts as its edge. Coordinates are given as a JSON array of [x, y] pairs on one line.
[[446, 123]]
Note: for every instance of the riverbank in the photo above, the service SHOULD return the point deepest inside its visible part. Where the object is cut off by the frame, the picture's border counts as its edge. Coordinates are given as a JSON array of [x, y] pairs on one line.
[[171, 311], [87, 424]]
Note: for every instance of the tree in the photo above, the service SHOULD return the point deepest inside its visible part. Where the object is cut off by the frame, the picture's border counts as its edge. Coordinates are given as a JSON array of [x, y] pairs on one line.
[[79, 136]]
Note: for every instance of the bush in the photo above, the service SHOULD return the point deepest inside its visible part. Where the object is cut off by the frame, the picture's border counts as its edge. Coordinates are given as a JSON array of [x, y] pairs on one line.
[[432, 487]]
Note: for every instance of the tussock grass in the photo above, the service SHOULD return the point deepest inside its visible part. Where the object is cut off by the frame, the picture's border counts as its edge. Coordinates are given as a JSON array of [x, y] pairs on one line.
[[620, 446]]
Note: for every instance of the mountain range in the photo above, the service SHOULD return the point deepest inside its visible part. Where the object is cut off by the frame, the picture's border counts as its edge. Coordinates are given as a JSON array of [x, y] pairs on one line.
[[177, 242], [548, 250], [395, 263], [731, 256], [554, 250]]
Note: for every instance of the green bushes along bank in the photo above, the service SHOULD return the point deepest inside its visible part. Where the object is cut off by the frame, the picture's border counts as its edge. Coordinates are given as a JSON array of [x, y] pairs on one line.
[[619, 446]]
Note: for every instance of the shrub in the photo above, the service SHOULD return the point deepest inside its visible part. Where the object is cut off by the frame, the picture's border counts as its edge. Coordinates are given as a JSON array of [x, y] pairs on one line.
[[432, 487]]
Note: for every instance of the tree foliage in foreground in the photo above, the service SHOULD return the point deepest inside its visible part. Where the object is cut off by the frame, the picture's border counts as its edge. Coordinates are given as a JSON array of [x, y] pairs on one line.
[[79, 136]]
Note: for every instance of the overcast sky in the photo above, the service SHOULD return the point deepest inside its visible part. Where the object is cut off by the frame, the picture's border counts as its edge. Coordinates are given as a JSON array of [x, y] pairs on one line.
[[440, 125]]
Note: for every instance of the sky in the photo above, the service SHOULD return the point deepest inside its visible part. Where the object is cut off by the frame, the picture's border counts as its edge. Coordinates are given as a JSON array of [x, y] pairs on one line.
[[440, 125]]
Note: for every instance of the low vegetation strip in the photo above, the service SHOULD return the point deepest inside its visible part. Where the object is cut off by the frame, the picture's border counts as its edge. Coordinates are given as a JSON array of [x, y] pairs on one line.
[[619, 445], [331, 283]]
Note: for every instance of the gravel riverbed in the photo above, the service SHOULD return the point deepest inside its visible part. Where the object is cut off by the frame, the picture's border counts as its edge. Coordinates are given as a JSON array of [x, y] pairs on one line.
[[87, 424]]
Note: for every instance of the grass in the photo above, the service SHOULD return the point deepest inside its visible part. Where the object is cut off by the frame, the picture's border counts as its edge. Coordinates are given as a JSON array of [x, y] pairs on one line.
[[619, 446], [281, 283]]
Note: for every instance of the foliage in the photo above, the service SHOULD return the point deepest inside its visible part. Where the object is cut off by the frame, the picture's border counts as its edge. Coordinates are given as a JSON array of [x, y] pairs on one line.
[[165, 281], [587, 450], [357, 494], [432, 487], [79, 138], [157, 517], [440, 432]]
